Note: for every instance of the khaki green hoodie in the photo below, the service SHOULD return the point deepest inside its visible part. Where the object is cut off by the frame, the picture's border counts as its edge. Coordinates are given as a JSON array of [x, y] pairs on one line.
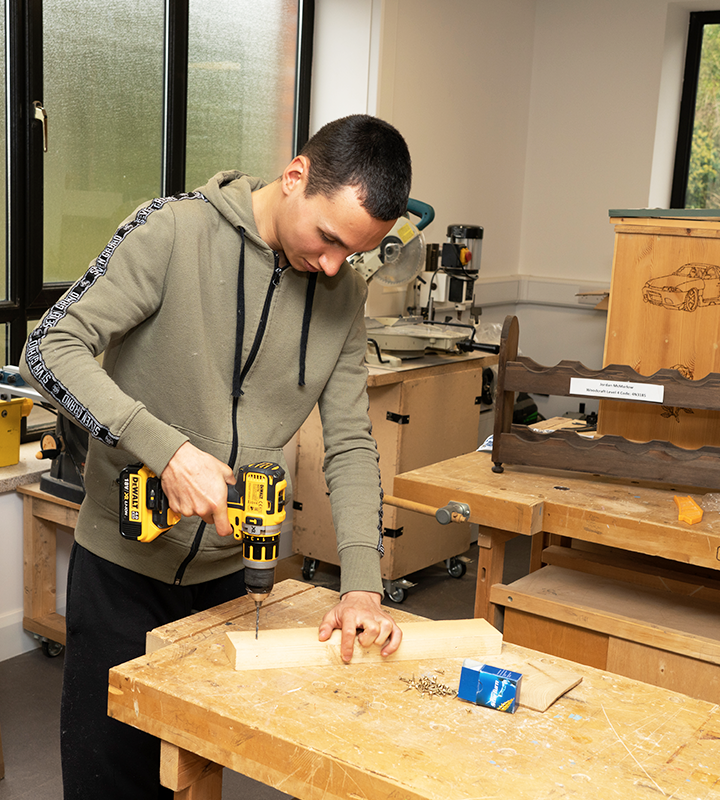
[[205, 338]]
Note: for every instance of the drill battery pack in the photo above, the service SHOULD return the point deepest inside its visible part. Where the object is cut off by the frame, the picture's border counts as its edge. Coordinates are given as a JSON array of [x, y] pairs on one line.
[[144, 509]]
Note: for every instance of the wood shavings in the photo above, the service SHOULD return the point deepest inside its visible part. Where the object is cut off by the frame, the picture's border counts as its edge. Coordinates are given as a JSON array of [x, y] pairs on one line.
[[429, 684]]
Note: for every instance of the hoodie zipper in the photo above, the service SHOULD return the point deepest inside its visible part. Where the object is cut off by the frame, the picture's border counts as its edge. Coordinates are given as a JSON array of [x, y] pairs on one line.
[[259, 333]]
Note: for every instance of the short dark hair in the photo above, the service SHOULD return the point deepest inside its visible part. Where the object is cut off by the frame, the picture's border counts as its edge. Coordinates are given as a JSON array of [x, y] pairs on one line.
[[366, 153]]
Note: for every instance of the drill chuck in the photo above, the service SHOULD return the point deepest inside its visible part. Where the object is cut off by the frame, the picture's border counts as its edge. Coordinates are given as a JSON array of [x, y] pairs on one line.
[[260, 556]]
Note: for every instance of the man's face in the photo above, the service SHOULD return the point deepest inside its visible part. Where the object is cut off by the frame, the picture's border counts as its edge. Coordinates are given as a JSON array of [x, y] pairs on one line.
[[318, 233]]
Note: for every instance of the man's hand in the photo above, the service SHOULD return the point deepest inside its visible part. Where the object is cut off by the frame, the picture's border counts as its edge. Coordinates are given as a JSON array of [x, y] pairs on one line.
[[196, 485], [360, 614]]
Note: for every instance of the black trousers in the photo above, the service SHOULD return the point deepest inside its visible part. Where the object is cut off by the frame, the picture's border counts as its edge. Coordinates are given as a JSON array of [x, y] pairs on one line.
[[109, 611]]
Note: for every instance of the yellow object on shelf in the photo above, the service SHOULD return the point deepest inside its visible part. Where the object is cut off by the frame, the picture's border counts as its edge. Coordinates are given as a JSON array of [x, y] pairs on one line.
[[688, 510], [11, 413]]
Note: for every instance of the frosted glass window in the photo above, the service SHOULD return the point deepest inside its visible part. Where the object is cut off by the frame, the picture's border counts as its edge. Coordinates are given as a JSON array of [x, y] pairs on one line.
[[103, 87], [241, 87], [3, 170]]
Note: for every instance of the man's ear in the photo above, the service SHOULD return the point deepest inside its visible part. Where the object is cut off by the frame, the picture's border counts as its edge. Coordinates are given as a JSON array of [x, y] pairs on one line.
[[295, 174]]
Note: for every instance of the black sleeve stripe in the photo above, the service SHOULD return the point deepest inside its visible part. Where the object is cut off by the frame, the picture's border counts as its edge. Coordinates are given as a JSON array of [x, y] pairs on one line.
[[40, 371]]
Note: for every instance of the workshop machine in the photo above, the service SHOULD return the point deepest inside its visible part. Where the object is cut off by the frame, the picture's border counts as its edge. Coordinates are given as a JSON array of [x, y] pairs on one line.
[[65, 446], [444, 279], [256, 510]]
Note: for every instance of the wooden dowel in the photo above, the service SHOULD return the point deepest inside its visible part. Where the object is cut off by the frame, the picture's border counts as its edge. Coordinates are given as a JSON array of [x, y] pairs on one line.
[[409, 505]]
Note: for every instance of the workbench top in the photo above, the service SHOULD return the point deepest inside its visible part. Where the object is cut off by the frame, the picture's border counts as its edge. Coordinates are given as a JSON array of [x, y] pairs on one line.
[[610, 511], [357, 732]]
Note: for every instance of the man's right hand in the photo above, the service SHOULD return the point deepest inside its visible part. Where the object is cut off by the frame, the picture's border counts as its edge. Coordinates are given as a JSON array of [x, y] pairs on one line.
[[196, 484]]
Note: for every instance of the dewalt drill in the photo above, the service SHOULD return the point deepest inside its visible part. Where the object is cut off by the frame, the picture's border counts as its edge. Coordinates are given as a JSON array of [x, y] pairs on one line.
[[256, 510]]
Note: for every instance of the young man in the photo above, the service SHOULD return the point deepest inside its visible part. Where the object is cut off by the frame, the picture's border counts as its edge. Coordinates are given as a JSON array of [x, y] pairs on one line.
[[223, 316]]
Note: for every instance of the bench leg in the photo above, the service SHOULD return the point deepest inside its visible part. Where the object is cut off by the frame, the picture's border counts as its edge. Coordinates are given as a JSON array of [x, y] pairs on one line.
[[190, 776], [491, 561]]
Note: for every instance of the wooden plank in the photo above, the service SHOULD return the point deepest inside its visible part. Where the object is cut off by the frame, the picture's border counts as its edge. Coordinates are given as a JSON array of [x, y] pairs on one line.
[[635, 569], [556, 638], [611, 455], [299, 647], [674, 671], [180, 769], [668, 622], [34, 490], [52, 626]]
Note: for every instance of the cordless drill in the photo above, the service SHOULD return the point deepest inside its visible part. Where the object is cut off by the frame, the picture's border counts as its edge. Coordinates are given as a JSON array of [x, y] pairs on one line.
[[256, 510]]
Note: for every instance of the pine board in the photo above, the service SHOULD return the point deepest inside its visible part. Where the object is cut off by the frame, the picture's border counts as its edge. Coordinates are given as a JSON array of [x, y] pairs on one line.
[[299, 647]]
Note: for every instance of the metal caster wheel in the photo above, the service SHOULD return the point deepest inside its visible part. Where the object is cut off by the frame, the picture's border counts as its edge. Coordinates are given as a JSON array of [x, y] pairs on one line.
[[397, 595], [51, 649], [309, 568], [456, 568]]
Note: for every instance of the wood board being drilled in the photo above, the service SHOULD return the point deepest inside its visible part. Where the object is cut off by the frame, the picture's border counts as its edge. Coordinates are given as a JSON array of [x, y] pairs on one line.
[[289, 647]]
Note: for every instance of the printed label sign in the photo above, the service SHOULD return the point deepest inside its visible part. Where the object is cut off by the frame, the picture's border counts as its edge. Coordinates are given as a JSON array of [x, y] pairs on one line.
[[618, 390]]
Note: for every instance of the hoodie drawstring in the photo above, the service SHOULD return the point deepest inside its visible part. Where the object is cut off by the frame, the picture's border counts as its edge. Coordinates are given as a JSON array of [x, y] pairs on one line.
[[310, 293], [240, 322], [239, 371]]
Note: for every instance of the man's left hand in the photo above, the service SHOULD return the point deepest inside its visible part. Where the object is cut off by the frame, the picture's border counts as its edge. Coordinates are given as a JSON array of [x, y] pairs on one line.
[[360, 614]]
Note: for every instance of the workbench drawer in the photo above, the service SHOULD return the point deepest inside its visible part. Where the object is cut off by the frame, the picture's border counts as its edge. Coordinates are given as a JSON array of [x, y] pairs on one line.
[[658, 637]]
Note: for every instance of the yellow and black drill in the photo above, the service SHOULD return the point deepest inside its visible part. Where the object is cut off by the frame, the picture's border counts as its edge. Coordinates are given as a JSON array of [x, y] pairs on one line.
[[256, 510]]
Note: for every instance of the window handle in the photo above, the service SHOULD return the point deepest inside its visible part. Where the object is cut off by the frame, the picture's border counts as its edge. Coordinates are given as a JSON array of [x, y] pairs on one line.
[[41, 114]]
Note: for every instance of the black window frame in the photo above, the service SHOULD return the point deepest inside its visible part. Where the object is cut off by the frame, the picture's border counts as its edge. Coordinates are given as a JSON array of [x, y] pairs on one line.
[[683, 148], [28, 297]]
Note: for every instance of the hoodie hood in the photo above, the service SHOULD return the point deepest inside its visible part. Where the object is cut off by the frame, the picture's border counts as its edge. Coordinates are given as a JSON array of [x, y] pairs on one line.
[[232, 197]]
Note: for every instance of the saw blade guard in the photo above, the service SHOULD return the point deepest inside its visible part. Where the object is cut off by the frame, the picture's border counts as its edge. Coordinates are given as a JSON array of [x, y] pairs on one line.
[[403, 262], [400, 258]]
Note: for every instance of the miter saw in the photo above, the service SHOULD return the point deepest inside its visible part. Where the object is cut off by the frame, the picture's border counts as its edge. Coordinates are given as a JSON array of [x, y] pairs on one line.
[[400, 259]]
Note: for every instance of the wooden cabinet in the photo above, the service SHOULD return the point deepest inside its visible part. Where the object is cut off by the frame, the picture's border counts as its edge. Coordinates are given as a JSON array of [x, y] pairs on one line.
[[664, 313], [419, 416]]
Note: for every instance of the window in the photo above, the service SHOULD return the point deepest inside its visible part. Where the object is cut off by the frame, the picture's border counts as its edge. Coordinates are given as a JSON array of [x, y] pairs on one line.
[[110, 104], [696, 178]]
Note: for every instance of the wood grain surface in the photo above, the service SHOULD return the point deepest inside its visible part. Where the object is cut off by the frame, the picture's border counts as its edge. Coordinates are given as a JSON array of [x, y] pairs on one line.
[[291, 647], [362, 734]]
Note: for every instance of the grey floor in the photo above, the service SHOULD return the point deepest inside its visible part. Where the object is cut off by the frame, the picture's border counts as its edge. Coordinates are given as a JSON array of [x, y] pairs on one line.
[[30, 683]]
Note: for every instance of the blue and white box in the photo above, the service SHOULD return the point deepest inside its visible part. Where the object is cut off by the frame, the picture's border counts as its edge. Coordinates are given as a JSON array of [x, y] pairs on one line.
[[489, 686]]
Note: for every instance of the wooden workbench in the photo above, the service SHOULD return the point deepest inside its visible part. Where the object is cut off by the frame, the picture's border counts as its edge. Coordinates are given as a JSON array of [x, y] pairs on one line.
[[613, 512], [42, 512], [652, 614], [356, 732]]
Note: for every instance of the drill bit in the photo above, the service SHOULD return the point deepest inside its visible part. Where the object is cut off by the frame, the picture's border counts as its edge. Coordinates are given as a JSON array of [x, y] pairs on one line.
[[257, 618]]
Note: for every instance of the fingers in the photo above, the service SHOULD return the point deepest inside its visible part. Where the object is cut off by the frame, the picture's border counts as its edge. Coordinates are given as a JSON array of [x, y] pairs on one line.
[[196, 484], [360, 616]]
